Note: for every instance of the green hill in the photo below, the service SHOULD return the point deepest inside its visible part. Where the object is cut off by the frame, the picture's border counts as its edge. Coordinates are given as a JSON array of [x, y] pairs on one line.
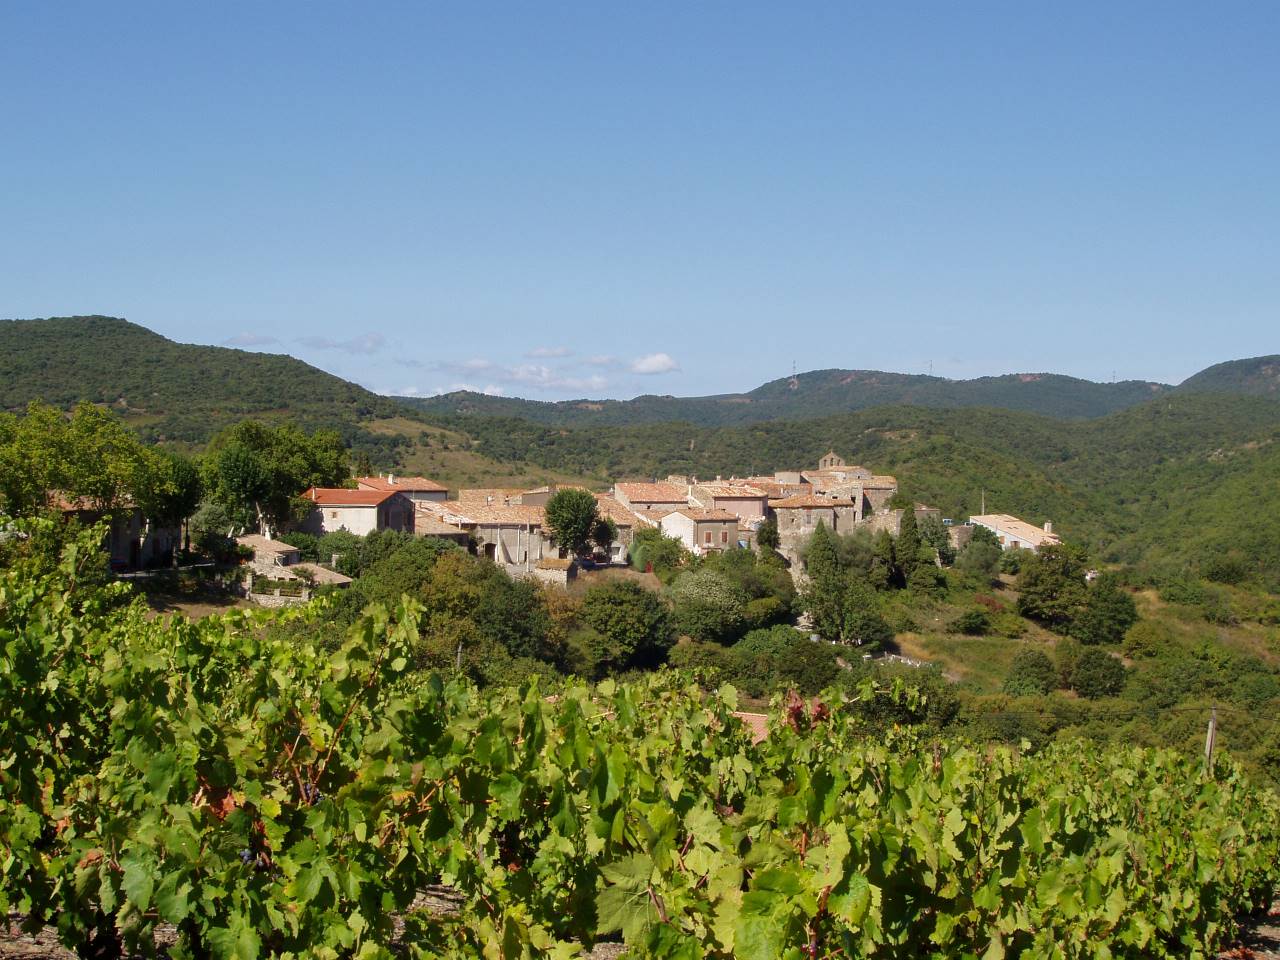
[[1258, 376], [171, 391], [814, 394]]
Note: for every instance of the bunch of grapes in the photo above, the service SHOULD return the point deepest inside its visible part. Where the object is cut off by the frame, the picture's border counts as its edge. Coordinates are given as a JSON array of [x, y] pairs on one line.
[[311, 794]]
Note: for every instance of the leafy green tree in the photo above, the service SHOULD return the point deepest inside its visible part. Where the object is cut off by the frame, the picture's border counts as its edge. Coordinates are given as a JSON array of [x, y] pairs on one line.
[[861, 623], [572, 516], [1097, 674], [821, 558], [88, 456], [1032, 673], [980, 558], [632, 625], [257, 472], [1107, 613], [1051, 586], [884, 565], [651, 547], [781, 657], [172, 492], [767, 535], [707, 605], [604, 533], [934, 535], [823, 596]]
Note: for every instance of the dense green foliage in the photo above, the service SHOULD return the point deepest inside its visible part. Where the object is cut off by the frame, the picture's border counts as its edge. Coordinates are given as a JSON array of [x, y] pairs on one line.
[[1172, 482], [256, 472], [813, 394], [572, 517], [265, 794], [175, 391]]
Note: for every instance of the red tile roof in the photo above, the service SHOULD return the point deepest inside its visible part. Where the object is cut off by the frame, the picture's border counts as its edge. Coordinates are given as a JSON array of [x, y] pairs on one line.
[[707, 516], [341, 497], [652, 492]]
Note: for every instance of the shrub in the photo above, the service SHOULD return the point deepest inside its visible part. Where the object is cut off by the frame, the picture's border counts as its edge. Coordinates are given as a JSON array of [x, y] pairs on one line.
[[1107, 613], [1031, 673], [1097, 674], [1146, 638], [973, 623], [632, 625]]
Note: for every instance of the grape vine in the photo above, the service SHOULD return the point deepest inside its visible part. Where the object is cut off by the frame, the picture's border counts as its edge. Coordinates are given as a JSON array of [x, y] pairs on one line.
[[267, 796]]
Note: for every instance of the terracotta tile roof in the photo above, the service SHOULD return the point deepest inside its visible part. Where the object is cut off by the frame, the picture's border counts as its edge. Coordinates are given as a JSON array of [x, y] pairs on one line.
[[1003, 522], [341, 497], [321, 575], [444, 511], [731, 490], [652, 492], [777, 489], [707, 516], [620, 515], [756, 723], [260, 544], [806, 500], [490, 495], [503, 515], [425, 525], [407, 484]]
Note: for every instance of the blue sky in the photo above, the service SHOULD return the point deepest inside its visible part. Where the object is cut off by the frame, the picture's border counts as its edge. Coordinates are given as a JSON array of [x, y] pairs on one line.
[[605, 199]]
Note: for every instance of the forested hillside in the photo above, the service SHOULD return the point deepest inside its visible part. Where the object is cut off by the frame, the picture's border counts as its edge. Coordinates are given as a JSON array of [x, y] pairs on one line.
[[171, 391], [1163, 481], [818, 393], [1257, 375]]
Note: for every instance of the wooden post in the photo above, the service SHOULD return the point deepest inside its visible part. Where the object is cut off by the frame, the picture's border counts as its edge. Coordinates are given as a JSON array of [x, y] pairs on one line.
[[1210, 740]]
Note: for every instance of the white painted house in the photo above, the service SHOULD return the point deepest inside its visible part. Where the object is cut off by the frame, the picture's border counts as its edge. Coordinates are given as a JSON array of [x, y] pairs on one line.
[[1015, 534], [357, 511], [702, 531]]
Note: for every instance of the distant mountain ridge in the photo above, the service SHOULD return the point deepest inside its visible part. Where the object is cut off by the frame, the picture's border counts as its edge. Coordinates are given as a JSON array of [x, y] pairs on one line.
[[176, 391], [820, 393]]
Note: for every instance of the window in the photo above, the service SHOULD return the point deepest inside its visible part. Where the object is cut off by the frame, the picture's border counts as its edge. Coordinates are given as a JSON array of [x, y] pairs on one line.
[[707, 539], [724, 536], [333, 514]]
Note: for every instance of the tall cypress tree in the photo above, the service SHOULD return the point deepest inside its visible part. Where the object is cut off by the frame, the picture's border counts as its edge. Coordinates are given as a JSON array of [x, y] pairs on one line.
[[823, 597], [908, 546]]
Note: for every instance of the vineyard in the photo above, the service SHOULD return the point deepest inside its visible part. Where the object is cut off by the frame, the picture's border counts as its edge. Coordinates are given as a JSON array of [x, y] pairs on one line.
[[272, 797]]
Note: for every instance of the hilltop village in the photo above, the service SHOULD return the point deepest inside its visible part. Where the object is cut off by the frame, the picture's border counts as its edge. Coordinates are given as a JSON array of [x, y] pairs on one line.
[[509, 526]]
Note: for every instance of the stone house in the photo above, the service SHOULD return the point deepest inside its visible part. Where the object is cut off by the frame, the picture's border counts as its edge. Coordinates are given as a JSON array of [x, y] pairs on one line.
[[555, 571], [746, 502], [357, 511], [512, 536], [624, 521], [651, 498], [1015, 534], [415, 488], [702, 531], [797, 517], [133, 541]]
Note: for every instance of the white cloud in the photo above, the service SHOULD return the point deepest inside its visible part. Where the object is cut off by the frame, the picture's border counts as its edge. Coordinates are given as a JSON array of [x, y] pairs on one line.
[[654, 363], [476, 363], [549, 353], [602, 360], [249, 340], [368, 343]]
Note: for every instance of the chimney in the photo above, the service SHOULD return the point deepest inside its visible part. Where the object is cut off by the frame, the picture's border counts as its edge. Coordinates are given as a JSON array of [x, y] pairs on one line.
[[391, 479], [1048, 526]]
